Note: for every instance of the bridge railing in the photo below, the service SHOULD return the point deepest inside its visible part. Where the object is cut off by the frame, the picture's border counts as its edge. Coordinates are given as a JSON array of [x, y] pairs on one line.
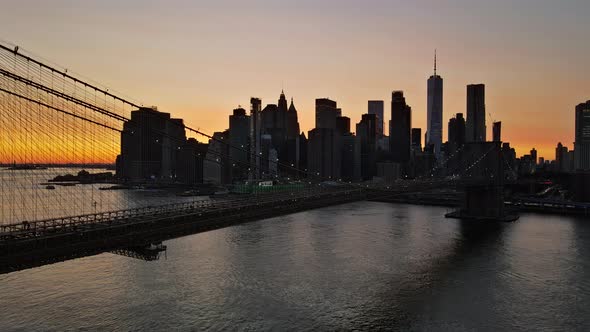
[[33, 229], [21, 228]]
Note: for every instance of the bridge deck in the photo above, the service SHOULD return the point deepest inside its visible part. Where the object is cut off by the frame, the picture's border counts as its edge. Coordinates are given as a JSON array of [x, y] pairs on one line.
[[43, 229]]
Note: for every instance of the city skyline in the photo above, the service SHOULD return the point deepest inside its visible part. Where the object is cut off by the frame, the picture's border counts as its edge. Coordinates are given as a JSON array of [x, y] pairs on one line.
[[209, 67]]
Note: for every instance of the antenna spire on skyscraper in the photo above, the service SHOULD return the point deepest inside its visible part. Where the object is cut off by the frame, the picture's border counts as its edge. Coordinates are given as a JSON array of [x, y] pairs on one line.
[[435, 62]]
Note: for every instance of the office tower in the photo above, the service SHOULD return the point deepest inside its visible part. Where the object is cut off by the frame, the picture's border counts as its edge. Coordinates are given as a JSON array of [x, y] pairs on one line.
[[497, 131], [434, 114], [192, 156], [377, 107], [282, 124], [561, 154], [239, 135], [351, 158], [400, 127], [541, 161], [216, 165], [323, 154], [456, 134], [326, 113], [475, 128], [303, 152], [509, 155], [366, 132], [582, 143], [255, 125], [342, 125], [292, 122], [417, 139], [267, 118], [291, 152], [281, 117], [150, 146], [268, 157], [534, 155]]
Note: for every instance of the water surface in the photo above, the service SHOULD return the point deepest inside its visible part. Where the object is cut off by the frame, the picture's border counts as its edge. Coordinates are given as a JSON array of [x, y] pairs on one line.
[[356, 266]]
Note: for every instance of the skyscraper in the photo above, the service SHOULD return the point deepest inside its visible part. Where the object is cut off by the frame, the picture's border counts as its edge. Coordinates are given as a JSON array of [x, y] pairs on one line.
[[292, 122], [475, 129], [366, 131], [376, 107], [582, 143], [497, 131], [323, 150], [255, 125], [456, 134], [400, 127], [561, 154], [342, 125], [239, 133], [434, 114], [293, 151], [323, 155], [417, 139], [326, 113]]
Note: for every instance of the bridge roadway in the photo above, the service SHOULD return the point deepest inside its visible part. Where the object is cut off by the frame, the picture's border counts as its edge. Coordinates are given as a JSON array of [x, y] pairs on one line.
[[35, 243], [29, 244]]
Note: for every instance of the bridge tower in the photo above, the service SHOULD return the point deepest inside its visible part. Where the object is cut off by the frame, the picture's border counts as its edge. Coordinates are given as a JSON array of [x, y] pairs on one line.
[[483, 184]]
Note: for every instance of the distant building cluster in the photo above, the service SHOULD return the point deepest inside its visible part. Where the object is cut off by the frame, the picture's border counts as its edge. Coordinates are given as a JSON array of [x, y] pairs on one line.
[[267, 143]]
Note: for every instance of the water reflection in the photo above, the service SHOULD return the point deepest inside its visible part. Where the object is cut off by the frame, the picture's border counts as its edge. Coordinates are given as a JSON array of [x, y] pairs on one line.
[[356, 266]]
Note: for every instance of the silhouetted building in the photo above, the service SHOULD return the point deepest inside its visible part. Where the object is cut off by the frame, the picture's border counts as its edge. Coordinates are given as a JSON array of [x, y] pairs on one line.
[[534, 155], [582, 143], [150, 146], [456, 134], [497, 131], [377, 107], [434, 111], [342, 125], [268, 156], [326, 113], [239, 137], [561, 158], [303, 152], [350, 151], [417, 139], [255, 131], [281, 116], [192, 156], [217, 167], [366, 131], [267, 118], [281, 123], [400, 127], [509, 155], [475, 129], [292, 152], [323, 156]]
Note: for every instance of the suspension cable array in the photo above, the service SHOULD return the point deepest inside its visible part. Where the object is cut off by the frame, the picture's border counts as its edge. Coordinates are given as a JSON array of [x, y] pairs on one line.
[[49, 118]]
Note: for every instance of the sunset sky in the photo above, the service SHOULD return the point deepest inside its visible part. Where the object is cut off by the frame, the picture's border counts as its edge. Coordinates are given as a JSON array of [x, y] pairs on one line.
[[200, 59]]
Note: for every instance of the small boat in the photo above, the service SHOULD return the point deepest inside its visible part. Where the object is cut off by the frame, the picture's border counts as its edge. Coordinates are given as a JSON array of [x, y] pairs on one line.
[[50, 187]]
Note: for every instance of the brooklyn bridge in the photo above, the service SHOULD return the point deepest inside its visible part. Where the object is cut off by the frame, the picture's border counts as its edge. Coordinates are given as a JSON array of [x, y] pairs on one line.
[[53, 121]]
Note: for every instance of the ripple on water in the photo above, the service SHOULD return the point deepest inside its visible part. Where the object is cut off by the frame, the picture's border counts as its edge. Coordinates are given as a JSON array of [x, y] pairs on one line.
[[363, 266]]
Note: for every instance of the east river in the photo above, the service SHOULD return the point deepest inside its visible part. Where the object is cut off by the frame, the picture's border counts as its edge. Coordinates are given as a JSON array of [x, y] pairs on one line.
[[363, 266]]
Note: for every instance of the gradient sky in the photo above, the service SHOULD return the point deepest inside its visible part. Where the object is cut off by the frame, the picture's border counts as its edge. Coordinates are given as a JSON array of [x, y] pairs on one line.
[[200, 59]]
